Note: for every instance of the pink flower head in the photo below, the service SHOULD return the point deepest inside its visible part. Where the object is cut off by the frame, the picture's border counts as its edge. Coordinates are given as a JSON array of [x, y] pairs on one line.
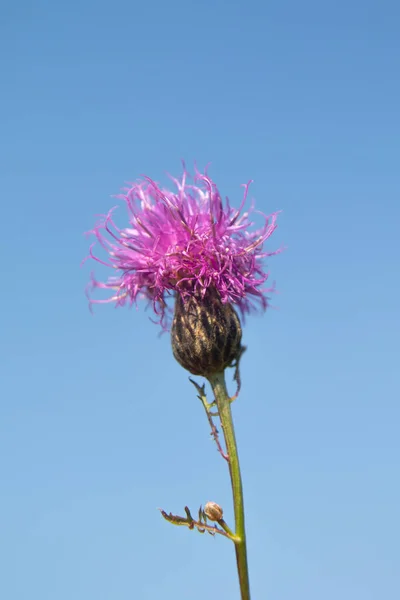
[[182, 242]]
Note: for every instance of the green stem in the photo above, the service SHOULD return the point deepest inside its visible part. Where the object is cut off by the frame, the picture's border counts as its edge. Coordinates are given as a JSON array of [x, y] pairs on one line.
[[223, 401]]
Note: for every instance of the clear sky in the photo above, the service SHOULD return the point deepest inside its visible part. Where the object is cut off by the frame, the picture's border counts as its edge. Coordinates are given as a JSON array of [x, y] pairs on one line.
[[98, 425]]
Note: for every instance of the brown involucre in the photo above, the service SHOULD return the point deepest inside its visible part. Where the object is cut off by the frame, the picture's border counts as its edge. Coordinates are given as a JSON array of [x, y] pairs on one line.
[[206, 334]]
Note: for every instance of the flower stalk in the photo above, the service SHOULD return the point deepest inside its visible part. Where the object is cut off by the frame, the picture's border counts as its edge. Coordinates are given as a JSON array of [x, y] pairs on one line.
[[223, 401]]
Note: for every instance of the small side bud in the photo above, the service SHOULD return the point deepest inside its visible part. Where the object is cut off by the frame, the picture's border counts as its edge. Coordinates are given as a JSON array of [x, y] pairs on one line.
[[213, 511], [206, 334]]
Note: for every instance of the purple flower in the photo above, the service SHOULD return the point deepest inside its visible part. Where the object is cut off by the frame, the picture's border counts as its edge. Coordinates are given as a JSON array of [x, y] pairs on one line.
[[183, 242]]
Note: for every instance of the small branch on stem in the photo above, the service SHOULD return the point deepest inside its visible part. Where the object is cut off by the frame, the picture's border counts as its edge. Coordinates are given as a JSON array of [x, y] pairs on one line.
[[201, 525], [236, 376], [207, 407]]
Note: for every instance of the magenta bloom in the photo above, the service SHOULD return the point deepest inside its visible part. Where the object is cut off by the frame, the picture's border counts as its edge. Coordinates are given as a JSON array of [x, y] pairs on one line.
[[183, 242]]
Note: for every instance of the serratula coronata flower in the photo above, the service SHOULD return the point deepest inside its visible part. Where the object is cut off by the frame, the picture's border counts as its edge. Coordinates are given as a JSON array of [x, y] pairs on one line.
[[186, 243]]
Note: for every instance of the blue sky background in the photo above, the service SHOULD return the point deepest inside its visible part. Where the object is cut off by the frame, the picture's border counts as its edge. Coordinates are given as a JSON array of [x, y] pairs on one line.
[[98, 425]]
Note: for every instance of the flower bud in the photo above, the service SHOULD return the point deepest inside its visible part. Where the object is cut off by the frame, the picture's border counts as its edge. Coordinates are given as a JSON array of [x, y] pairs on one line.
[[213, 511], [205, 334]]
